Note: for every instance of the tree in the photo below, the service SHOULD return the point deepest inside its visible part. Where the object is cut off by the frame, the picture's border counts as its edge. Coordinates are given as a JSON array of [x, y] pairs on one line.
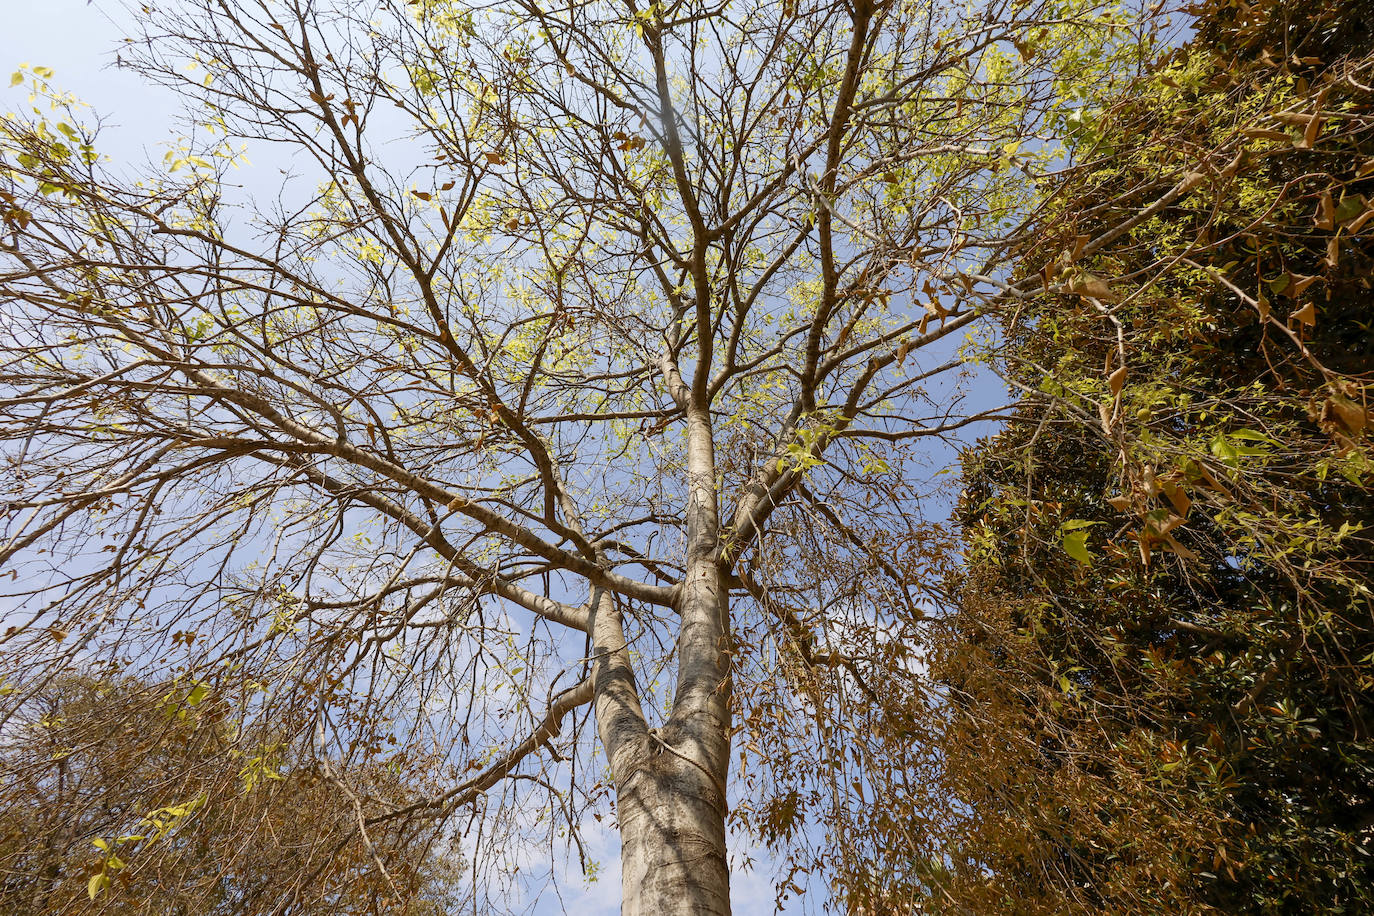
[[585, 327], [1157, 681], [157, 799]]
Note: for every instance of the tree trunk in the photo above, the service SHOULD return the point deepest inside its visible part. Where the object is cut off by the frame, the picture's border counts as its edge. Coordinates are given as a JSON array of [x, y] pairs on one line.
[[671, 790], [670, 782], [672, 834]]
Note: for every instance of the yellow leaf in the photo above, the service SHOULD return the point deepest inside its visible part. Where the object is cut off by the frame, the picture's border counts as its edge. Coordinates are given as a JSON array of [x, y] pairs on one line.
[[1075, 544]]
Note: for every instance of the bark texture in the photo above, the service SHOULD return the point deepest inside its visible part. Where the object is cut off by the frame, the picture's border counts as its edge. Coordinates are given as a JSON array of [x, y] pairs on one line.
[[672, 828]]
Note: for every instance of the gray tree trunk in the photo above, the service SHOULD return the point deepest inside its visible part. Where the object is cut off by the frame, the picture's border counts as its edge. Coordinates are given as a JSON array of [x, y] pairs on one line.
[[670, 785], [672, 834], [670, 782]]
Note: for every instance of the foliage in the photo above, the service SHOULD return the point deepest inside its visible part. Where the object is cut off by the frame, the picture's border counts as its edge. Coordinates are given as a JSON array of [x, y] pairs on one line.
[[1157, 681]]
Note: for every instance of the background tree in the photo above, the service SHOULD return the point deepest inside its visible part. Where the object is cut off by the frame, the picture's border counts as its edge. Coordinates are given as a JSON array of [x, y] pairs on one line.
[[1158, 677], [583, 364], [128, 797]]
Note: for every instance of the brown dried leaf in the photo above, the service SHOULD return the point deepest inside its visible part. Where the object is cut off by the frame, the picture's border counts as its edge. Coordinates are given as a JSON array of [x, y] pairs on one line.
[[1325, 217], [1300, 284], [1178, 548], [1179, 498], [1120, 503], [1339, 410], [1094, 287], [905, 346], [1314, 128], [1079, 243], [1263, 133], [1117, 380], [1358, 223]]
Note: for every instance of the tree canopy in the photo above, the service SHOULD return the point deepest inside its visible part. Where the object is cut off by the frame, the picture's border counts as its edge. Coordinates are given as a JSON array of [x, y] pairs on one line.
[[151, 798]]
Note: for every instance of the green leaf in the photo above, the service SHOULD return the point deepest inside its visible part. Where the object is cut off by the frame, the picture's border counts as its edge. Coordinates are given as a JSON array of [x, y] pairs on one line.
[[197, 694], [97, 884], [1222, 448], [1229, 450], [1075, 544]]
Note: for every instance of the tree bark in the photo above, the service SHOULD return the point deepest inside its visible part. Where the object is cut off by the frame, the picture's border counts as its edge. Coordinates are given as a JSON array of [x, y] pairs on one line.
[[670, 782], [672, 795], [672, 834]]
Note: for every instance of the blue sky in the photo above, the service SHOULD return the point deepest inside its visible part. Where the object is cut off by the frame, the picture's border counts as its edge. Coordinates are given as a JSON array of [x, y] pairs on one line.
[[78, 40]]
